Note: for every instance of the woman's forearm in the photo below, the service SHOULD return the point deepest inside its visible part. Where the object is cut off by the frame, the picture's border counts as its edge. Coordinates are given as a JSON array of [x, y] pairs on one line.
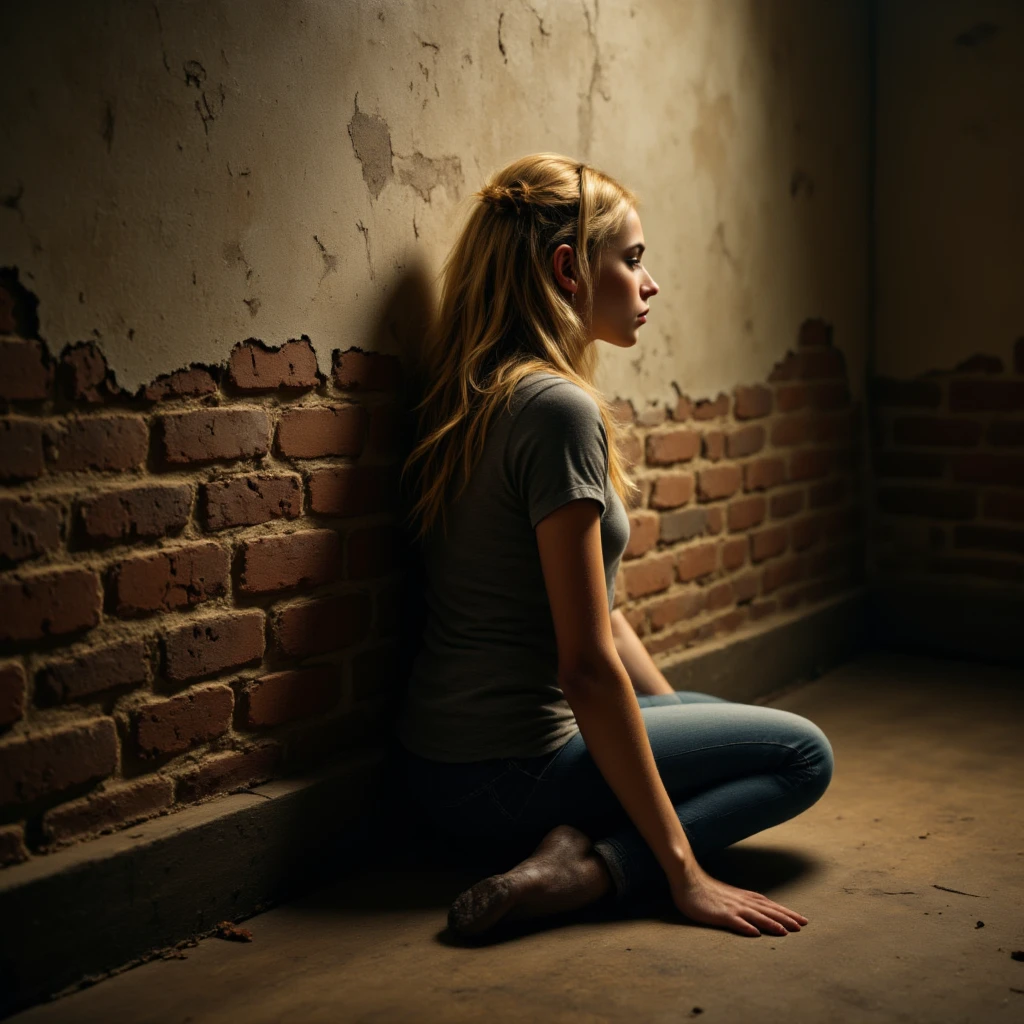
[[613, 730], [645, 676]]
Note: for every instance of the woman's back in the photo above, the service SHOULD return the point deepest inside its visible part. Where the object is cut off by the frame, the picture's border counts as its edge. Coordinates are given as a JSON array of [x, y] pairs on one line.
[[484, 683]]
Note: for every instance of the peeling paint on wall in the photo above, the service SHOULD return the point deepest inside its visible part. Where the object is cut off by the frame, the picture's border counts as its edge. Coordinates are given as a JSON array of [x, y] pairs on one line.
[[371, 140]]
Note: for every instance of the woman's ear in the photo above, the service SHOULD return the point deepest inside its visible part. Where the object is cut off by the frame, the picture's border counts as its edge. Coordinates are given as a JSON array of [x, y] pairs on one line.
[[564, 264]]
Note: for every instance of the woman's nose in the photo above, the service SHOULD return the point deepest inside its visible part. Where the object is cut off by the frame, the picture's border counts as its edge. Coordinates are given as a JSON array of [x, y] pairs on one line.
[[652, 286]]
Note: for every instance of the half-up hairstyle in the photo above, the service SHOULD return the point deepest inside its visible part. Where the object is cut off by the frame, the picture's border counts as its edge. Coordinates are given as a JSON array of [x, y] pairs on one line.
[[502, 316]]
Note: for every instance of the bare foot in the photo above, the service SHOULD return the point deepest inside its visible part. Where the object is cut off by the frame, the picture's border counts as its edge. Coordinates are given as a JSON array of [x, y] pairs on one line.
[[562, 874]]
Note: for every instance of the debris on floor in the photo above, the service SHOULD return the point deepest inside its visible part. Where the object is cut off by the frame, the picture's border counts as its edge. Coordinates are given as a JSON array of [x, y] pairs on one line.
[[231, 932]]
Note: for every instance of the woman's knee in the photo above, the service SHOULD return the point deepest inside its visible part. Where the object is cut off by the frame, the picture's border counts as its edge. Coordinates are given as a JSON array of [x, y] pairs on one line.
[[818, 757]]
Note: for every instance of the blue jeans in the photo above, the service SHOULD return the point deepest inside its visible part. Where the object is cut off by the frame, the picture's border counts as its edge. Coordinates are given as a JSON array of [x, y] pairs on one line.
[[730, 769]]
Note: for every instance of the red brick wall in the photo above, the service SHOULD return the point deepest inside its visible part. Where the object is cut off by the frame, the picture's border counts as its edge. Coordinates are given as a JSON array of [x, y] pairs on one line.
[[198, 581], [948, 466], [201, 581], [751, 504]]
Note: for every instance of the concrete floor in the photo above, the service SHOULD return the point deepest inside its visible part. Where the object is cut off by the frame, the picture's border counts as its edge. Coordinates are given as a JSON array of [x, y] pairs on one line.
[[926, 794]]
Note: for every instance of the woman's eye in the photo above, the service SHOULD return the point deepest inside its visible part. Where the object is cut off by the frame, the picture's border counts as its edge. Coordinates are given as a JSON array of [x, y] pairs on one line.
[[633, 261]]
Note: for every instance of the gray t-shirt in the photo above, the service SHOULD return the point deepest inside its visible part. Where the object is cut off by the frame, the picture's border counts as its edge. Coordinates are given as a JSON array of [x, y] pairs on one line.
[[484, 682]]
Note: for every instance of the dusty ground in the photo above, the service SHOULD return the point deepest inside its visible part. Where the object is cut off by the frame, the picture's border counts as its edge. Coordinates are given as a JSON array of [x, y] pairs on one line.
[[926, 798]]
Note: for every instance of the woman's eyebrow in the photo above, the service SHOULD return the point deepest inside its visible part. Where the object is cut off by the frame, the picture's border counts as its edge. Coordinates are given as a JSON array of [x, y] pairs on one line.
[[639, 246]]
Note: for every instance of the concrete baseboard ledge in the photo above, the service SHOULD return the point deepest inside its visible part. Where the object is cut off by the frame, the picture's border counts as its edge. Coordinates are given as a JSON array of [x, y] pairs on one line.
[[753, 663], [93, 907]]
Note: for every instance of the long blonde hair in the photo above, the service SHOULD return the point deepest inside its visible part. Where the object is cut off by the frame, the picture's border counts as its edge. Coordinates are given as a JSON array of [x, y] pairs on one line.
[[502, 316]]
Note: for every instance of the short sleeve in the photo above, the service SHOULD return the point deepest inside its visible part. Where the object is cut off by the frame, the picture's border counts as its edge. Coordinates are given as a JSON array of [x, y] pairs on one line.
[[558, 449]]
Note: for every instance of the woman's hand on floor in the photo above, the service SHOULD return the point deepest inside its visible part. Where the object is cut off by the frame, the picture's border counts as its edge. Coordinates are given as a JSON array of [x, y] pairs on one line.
[[709, 901]]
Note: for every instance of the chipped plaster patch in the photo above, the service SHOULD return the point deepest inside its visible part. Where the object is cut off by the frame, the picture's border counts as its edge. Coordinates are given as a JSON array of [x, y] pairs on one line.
[[371, 141], [423, 174]]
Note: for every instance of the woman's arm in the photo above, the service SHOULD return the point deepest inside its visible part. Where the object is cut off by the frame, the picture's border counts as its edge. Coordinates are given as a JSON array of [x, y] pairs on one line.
[[597, 685], [645, 676]]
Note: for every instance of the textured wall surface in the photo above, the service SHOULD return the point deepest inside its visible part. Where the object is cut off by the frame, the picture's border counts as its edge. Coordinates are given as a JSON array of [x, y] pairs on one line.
[[950, 204], [180, 177]]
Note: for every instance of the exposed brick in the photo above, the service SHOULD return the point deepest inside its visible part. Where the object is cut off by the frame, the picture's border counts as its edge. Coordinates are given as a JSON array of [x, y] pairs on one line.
[[373, 551], [164, 727], [113, 807], [734, 553], [309, 433], [716, 520], [822, 363], [104, 443], [631, 449], [934, 430], [718, 597], [25, 370], [50, 604], [12, 692], [676, 608], [762, 609], [147, 511], [713, 445], [85, 375], [930, 502], [791, 397], [730, 622], [171, 578], [782, 573], [355, 370], [991, 538], [1005, 505], [353, 490], [209, 435], [709, 410], [787, 369], [12, 845], [1006, 433], [648, 575], [290, 560], [815, 332], [214, 643], [191, 383], [305, 629], [763, 474], [986, 395], [643, 533], [44, 763], [804, 533], [810, 463], [251, 499], [384, 437], [908, 394], [683, 410], [790, 430], [826, 493], [718, 482], [93, 671], [669, 446], [21, 449], [746, 512], [746, 587], [787, 504], [748, 441], [225, 772], [286, 696], [255, 367], [982, 468], [913, 465], [752, 402], [622, 411], [767, 543], [683, 525], [671, 490], [27, 530], [674, 639], [694, 562]]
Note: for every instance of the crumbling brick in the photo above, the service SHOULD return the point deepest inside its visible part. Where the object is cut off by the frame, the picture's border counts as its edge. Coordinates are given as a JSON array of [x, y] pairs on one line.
[[290, 560], [309, 433], [164, 727], [93, 671], [255, 367], [26, 373], [171, 578], [27, 530], [49, 604], [152, 510], [104, 443], [116, 805], [214, 643], [252, 499], [21, 449], [355, 370], [211, 435], [12, 692], [286, 696]]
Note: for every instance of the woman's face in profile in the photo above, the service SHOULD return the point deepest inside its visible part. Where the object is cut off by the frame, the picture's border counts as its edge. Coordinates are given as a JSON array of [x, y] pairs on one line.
[[623, 287]]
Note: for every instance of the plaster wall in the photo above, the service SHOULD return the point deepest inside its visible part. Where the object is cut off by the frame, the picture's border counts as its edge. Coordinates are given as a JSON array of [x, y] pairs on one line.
[[178, 177], [950, 201]]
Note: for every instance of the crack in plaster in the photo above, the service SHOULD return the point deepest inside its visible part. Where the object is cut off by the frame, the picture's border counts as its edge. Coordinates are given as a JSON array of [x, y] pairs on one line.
[[585, 113], [365, 232], [329, 258]]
